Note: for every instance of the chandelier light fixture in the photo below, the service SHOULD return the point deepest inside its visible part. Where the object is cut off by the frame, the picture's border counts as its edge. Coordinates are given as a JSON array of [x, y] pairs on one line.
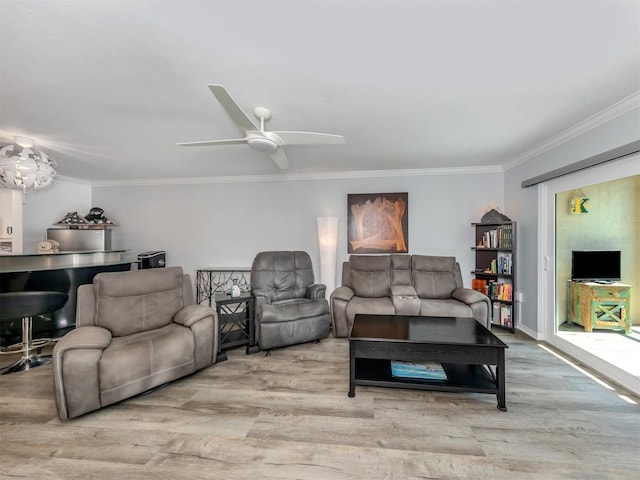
[[23, 166]]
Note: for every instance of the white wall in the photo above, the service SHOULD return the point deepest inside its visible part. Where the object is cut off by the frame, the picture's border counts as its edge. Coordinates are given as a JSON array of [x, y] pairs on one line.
[[522, 203], [46, 207], [226, 224]]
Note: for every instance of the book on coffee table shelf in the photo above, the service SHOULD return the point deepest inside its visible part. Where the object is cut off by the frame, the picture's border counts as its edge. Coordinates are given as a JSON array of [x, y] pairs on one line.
[[421, 371]]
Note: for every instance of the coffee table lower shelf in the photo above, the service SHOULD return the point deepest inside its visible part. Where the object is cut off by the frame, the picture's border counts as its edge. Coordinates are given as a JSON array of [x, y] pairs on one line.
[[460, 378]]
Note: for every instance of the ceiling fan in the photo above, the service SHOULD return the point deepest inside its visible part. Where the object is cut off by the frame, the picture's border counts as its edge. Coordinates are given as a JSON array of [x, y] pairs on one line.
[[256, 136]]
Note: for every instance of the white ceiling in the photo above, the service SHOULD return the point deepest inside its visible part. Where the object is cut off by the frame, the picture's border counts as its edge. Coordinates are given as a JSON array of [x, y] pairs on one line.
[[108, 88]]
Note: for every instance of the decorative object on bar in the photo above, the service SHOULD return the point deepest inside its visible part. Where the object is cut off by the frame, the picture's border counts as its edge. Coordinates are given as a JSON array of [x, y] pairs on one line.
[[48, 246], [23, 166], [94, 219], [328, 241], [96, 216], [72, 218]]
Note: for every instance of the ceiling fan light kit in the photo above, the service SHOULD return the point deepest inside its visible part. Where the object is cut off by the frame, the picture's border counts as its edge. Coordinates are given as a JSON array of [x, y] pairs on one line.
[[257, 137], [262, 144]]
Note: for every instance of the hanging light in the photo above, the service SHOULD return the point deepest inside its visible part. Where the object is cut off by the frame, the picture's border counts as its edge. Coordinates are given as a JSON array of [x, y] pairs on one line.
[[23, 166]]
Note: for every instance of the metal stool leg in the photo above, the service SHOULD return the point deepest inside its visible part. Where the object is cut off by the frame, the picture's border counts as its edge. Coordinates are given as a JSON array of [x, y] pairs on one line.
[[28, 345]]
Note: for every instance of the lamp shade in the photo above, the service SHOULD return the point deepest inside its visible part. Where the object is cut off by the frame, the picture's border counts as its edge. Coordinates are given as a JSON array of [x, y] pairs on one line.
[[23, 166], [328, 242]]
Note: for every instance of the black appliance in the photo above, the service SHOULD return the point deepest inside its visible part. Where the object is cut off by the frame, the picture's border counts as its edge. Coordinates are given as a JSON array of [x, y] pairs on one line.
[[595, 266], [152, 259]]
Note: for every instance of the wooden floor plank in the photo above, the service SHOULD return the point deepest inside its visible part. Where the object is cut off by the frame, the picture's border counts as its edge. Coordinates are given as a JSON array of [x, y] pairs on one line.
[[287, 416]]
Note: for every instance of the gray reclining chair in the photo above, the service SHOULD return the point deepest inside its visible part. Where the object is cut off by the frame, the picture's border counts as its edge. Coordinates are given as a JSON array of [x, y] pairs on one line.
[[134, 331], [290, 308]]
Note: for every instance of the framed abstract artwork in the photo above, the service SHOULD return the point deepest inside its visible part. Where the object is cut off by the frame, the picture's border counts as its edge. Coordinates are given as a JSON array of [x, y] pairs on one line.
[[378, 222]]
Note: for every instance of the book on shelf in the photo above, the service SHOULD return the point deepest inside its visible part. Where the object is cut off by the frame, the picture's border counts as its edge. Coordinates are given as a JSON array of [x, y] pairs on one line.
[[421, 371], [495, 313], [501, 237], [504, 264], [502, 314], [505, 236], [500, 291], [505, 316]]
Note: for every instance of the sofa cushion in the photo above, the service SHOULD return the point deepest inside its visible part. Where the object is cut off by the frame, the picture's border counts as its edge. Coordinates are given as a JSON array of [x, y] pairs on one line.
[[135, 301], [274, 335], [136, 363], [400, 269], [370, 276], [433, 277], [284, 274], [371, 306], [293, 309], [444, 308]]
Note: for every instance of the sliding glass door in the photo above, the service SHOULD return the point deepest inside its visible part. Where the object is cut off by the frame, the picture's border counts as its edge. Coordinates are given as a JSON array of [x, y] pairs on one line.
[[595, 209]]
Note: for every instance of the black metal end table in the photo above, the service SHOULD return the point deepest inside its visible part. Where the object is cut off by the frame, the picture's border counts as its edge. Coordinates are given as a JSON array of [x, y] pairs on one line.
[[235, 323]]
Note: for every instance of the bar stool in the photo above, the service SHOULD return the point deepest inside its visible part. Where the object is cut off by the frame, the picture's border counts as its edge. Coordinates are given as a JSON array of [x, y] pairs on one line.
[[26, 305]]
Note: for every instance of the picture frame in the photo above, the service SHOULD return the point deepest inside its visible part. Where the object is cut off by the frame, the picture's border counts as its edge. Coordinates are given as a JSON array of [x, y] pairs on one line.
[[378, 222]]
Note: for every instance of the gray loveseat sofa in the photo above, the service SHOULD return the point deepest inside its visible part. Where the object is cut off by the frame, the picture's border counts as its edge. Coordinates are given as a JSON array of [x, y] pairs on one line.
[[134, 331], [404, 285]]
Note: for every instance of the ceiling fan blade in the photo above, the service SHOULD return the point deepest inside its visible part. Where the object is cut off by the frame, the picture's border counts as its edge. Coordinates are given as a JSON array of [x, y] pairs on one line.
[[232, 108], [280, 158], [309, 138], [213, 142]]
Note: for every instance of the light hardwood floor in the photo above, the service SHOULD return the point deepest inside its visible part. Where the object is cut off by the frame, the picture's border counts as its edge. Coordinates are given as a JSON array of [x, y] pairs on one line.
[[287, 416]]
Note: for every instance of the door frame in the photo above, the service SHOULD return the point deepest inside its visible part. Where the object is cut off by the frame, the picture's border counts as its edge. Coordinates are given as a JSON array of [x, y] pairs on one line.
[[613, 170]]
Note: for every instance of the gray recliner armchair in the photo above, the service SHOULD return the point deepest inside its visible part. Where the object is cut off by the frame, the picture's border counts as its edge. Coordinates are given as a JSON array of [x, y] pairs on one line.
[[290, 308], [134, 331]]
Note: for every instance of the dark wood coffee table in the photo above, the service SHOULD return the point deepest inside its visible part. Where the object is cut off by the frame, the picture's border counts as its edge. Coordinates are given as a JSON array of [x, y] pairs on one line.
[[465, 349]]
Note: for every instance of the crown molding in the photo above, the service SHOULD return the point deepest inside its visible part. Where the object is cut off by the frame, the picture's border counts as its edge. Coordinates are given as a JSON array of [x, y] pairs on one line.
[[64, 178], [296, 177], [623, 106]]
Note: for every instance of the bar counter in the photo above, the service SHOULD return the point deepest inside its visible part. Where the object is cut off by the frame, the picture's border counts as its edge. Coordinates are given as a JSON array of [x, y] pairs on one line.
[[61, 272], [20, 262]]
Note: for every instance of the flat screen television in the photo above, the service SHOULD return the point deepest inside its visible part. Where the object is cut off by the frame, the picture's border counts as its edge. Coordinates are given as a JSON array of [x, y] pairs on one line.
[[595, 266]]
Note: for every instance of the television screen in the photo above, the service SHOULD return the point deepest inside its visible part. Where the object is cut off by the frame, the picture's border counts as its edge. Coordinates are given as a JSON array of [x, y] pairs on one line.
[[595, 265]]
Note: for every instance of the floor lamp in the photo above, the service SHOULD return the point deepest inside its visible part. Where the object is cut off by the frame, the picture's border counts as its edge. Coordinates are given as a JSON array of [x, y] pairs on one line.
[[328, 241]]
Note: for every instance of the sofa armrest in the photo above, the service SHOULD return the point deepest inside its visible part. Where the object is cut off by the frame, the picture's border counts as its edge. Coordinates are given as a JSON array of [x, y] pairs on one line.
[[83, 337], [339, 300], [76, 357], [264, 296], [342, 293], [478, 302], [203, 323], [190, 314], [469, 296], [317, 291]]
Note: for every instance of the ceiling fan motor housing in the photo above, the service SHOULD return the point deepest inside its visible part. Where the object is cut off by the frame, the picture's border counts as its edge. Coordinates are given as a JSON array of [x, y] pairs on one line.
[[262, 144]]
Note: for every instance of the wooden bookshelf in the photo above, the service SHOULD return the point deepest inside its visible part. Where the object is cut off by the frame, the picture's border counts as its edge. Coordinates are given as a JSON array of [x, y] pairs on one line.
[[494, 270]]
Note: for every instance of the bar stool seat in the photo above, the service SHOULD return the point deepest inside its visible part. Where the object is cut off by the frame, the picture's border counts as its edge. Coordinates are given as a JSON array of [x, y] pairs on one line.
[[26, 305]]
